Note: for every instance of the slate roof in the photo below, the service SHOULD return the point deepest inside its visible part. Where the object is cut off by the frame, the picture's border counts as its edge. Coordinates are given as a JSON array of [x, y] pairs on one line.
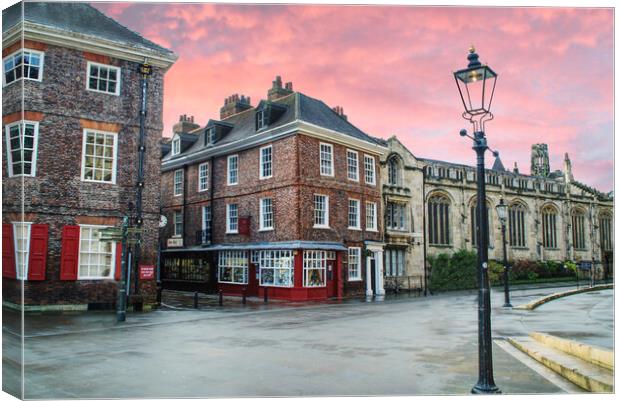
[[498, 165], [78, 18], [298, 107]]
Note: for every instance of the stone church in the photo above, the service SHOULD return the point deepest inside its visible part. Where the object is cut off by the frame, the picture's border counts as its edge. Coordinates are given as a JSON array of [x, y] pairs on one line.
[[430, 209]]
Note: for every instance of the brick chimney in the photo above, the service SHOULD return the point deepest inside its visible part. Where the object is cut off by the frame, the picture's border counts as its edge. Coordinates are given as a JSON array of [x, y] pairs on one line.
[[277, 91], [234, 104], [185, 124], [340, 111]]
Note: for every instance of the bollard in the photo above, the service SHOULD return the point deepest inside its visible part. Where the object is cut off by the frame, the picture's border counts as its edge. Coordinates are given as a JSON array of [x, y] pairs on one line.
[[266, 296], [243, 297], [196, 300], [221, 298], [409, 284], [159, 291]]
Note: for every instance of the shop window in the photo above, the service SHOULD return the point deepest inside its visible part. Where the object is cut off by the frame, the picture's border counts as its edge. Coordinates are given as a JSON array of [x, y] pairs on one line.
[[394, 171], [233, 267], [276, 268], [314, 268]]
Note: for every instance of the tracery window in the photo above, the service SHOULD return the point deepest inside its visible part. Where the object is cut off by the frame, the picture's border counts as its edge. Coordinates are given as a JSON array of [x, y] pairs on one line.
[[549, 226], [579, 231], [439, 220], [516, 225]]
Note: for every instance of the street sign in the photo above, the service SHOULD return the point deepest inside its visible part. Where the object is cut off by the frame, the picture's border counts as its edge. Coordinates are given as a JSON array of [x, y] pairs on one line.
[[147, 272], [584, 265]]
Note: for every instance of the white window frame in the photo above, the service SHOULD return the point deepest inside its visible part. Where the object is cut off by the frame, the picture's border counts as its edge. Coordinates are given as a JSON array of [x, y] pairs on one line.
[[229, 229], [37, 52], [282, 263], [326, 173], [262, 162], [114, 154], [229, 171], [372, 218], [235, 260], [203, 174], [370, 167], [356, 177], [117, 91], [354, 253], [262, 226], [314, 260], [326, 211], [204, 215], [358, 223], [178, 185], [35, 145], [112, 258], [25, 253], [174, 223], [176, 146]]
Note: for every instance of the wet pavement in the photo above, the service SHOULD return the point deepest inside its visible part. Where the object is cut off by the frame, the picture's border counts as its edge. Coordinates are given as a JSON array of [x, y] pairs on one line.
[[405, 345]]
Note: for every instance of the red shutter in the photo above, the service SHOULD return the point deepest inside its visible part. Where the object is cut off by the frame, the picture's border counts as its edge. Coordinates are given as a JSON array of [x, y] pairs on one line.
[[119, 258], [38, 251], [8, 252], [70, 252]]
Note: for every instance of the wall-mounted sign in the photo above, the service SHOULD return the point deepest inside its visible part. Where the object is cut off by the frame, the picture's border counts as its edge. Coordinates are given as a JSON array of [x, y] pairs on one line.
[[175, 242], [147, 272]]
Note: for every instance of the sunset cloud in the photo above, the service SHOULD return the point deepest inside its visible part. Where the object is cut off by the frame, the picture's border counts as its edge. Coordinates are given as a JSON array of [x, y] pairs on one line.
[[390, 68]]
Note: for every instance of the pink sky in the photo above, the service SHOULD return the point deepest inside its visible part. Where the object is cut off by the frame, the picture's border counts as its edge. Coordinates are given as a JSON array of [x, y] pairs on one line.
[[390, 68]]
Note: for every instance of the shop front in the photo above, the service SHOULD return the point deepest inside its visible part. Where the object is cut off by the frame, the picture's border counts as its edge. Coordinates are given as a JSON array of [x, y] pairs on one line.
[[292, 270]]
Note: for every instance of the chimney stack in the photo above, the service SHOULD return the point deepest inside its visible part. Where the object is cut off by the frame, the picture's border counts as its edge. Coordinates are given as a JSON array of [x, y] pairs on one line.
[[234, 104], [185, 124], [340, 111], [277, 91]]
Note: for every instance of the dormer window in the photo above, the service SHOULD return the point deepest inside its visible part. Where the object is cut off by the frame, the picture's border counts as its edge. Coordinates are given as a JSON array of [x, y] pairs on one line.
[[210, 136], [176, 146], [261, 121]]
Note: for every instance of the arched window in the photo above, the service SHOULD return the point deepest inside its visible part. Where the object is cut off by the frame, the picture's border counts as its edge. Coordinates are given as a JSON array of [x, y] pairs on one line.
[[549, 227], [516, 225], [473, 213], [439, 220], [605, 224], [579, 229], [394, 171]]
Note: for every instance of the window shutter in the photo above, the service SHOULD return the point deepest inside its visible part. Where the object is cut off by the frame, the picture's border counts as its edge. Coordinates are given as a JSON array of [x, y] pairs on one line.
[[70, 252], [119, 254], [38, 251], [8, 252]]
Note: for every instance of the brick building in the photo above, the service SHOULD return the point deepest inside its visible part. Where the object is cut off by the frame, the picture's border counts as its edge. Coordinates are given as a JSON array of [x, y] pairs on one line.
[[70, 166], [285, 196]]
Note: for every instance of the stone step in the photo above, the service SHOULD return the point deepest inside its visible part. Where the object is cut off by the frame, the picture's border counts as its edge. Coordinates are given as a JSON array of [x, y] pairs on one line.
[[589, 353], [586, 375]]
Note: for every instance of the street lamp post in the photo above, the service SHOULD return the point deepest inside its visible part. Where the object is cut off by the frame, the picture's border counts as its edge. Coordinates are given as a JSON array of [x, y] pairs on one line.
[[476, 85], [502, 214]]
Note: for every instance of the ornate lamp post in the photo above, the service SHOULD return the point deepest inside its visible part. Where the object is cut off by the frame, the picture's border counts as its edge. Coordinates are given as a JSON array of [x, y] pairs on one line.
[[476, 85], [502, 214]]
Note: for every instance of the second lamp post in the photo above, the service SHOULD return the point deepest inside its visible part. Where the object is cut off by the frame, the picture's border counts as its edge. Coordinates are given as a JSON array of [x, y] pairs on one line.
[[502, 214]]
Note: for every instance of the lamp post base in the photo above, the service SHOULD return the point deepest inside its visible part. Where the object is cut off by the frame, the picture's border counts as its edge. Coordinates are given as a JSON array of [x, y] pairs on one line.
[[507, 305], [485, 389]]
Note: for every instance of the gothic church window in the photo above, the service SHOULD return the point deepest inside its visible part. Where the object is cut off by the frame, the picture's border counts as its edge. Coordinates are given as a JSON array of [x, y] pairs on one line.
[[439, 220]]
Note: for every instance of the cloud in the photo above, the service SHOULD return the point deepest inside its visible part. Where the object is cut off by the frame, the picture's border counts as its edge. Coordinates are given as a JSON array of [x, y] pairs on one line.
[[391, 69]]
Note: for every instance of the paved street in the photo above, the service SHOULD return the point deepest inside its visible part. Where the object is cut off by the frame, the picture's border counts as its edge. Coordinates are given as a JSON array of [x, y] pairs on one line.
[[405, 345]]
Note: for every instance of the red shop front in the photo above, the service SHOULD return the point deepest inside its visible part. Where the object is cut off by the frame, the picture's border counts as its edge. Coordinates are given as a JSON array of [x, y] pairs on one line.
[[291, 274]]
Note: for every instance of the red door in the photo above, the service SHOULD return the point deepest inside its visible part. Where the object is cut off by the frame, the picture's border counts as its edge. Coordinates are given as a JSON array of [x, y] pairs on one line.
[[332, 279]]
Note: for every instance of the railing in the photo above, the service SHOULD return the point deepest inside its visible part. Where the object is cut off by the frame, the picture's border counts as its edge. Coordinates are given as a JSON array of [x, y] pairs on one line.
[[397, 284], [203, 237]]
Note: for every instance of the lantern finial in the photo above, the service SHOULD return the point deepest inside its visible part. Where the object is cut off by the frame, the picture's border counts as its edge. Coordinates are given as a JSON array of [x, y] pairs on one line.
[[472, 49]]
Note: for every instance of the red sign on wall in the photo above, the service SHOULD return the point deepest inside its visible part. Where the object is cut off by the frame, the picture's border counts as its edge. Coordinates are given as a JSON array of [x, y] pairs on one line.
[[147, 272], [244, 226]]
